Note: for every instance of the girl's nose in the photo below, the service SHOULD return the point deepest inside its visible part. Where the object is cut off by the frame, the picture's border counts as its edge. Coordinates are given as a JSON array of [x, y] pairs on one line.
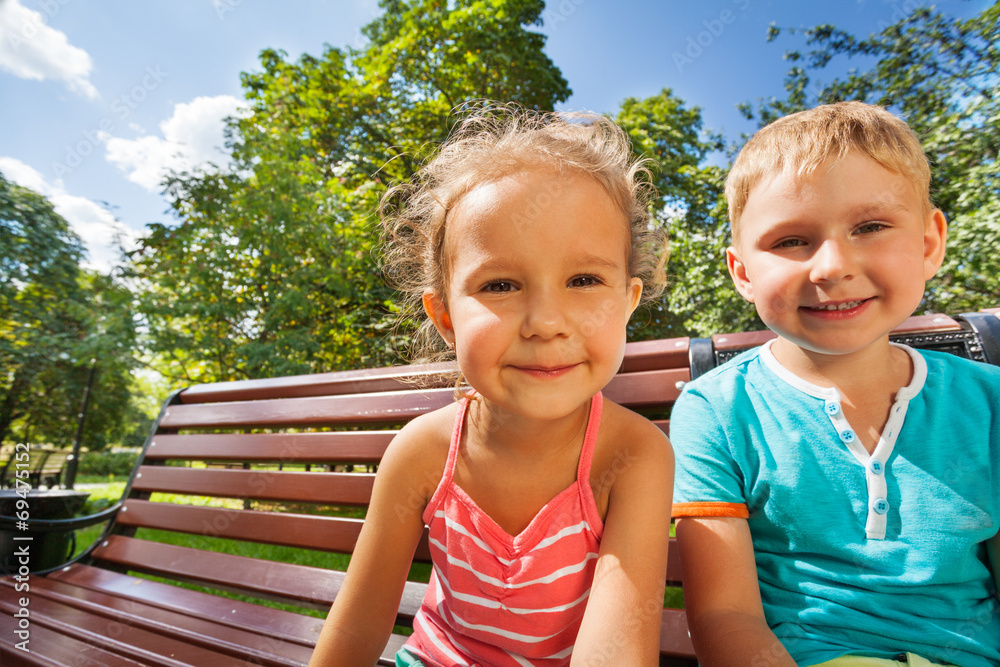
[[544, 316], [832, 262]]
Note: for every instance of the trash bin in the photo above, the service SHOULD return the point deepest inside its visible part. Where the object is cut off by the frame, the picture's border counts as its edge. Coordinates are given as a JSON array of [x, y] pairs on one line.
[[44, 548]]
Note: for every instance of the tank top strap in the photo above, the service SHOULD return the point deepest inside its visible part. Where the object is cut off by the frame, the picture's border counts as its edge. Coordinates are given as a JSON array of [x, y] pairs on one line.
[[456, 439], [590, 439], [449, 466]]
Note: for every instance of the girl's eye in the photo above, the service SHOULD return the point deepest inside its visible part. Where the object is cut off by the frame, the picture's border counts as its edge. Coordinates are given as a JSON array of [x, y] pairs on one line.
[[584, 281], [499, 286]]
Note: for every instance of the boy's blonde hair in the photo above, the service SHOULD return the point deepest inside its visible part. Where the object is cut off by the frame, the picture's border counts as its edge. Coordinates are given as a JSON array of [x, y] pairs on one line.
[[491, 143], [804, 140]]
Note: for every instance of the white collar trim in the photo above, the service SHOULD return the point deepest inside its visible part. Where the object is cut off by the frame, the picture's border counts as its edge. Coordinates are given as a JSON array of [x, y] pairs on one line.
[[832, 393]]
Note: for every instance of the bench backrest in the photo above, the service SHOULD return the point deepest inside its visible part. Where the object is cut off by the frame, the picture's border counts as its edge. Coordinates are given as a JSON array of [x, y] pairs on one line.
[[278, 461]]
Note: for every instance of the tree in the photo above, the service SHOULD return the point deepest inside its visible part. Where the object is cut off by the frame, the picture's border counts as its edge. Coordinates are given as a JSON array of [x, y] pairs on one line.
[[270, 269], [54, 318], [941, 75], [700, 299]]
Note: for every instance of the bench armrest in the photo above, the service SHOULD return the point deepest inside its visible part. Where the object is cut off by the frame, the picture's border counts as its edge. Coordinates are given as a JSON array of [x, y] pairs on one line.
[[10, 523]]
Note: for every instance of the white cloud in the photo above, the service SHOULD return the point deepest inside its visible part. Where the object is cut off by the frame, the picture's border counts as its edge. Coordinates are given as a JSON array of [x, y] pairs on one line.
[[31, 49], [94, 224], [192, 136]]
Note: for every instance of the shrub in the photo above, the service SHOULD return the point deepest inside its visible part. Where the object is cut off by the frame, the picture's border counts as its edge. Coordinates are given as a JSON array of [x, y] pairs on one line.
[[118, 463]]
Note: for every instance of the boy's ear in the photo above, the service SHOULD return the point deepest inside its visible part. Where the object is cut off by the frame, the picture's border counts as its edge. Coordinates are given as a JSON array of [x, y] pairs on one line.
[[436, 310], [738, 271], [935, 240]]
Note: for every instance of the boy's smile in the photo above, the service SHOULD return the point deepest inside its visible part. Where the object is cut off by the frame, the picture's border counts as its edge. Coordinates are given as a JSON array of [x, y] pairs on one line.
[[836, 259], [538, 290]]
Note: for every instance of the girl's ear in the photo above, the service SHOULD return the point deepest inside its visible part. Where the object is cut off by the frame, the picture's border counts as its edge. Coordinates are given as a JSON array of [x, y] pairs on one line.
[[738, 271], [436, 310], [634, 294]]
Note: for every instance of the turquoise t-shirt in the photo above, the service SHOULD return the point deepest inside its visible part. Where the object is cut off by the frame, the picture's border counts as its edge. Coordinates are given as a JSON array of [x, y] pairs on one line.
[[859, 554]]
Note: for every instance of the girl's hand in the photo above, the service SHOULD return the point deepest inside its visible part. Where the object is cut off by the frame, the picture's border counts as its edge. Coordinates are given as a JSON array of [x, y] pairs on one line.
[[621, 625], [364, 612]]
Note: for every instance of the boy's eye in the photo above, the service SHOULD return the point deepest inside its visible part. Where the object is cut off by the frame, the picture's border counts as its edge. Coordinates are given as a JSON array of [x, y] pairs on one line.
[[870, 228], [789, 243]]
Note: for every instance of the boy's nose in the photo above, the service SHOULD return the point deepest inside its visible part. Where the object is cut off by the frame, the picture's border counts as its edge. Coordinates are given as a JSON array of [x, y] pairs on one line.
[[833, 261], [545, 316]]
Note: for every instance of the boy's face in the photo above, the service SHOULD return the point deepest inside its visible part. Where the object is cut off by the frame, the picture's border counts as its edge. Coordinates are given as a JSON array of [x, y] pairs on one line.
[[837, 259]]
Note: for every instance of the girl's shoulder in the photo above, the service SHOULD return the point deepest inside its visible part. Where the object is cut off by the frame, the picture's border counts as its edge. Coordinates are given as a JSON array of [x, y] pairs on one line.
[[419, 452], [623, 429], [627, 443]]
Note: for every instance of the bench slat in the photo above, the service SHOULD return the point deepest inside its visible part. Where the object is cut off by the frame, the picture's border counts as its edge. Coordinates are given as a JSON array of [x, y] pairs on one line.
[[196, 630], [339, 447], [647, 389], [331, 488], [302, 585], [276, 623], [675, 638], [373, 380], [391, 407], [147, 647], [325, 533], [634, 390], [51, 649], [639, 356]]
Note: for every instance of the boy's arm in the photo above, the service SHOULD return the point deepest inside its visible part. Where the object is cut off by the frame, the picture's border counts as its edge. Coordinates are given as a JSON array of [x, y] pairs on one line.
[[364, 611], [722, 595], [993, 549], [621, 625]]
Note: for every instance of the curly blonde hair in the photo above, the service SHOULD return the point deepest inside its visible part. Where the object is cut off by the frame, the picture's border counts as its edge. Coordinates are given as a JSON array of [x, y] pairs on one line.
[[491, 142], [804, 140]]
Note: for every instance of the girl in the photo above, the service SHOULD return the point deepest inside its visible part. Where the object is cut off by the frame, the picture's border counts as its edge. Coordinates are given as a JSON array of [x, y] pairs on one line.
[[527, 243]]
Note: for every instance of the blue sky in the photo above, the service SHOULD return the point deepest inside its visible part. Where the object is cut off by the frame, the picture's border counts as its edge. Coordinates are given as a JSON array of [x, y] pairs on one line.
[[100, 98]]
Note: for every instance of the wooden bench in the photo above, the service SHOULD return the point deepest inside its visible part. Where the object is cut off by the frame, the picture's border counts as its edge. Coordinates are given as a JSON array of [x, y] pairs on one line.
[[45, 466], [118, 604]]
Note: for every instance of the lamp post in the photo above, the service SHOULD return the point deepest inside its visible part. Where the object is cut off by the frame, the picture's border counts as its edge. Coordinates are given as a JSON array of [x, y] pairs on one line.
[[73, 463]]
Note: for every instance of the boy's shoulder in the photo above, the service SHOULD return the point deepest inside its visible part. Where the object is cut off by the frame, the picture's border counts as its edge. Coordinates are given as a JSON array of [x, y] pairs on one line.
[[729, 377], [949, 372]]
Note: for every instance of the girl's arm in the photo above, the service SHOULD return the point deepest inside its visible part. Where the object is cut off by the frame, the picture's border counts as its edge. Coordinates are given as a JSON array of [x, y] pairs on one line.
[[722, 595], [364, 611], [993, 549], [621, 625]]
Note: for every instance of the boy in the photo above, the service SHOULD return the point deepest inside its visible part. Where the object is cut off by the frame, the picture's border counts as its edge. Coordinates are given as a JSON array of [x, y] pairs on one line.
[[838, 495]]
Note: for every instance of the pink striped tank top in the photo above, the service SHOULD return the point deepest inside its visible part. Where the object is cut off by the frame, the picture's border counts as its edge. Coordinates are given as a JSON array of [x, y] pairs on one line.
[[495, 599]]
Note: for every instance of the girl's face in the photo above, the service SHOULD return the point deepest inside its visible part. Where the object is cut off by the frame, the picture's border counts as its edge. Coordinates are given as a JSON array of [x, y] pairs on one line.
[[539, 293]]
